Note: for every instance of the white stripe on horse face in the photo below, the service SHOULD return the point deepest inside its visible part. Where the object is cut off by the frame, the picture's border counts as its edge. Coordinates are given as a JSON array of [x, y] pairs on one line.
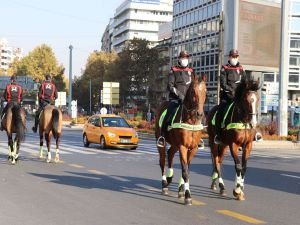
[[253, 104]]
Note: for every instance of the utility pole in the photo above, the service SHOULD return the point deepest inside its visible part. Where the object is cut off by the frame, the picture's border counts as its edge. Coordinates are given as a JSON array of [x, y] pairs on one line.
[[221, 50], [284, 72], [70, 81], [90, 96]]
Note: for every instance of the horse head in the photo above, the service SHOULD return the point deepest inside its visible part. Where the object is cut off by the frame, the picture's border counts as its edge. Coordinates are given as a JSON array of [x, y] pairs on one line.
[[195, 96], [247, 99]]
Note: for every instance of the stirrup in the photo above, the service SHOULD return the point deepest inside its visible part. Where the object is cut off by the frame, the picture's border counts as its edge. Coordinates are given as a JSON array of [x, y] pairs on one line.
[[217, 141], [201, 144], [258, 137], [161, 142]]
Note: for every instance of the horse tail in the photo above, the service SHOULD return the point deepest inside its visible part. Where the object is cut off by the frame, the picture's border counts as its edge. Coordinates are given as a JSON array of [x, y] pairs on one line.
[[55, 119], [18, 122]]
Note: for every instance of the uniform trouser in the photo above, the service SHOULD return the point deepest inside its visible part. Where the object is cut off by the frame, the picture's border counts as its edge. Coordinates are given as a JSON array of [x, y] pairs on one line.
[[40, 109], [6, 107], [173, 104], [220, 114]]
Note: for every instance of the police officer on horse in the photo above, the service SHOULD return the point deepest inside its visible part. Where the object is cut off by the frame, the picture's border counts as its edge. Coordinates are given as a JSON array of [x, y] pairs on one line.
[[231, 75], [178, 84], [12, 95], [47, 95]]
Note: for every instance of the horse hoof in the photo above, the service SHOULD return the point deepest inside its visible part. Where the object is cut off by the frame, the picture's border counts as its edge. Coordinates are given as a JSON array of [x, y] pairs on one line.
[[169, 179], [213, 187], [165, 191], [9, 158], [239, 196], [56, 160], [223, 192], [180, 194], [188, 201]]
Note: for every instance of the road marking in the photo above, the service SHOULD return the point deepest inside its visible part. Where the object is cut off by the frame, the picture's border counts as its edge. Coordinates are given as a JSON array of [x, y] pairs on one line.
[[196, 202], [76, 166], [241, 217], [97, 172], [287, 175]]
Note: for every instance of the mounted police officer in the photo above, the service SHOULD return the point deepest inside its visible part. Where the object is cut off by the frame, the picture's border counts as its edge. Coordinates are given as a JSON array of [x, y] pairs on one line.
[[12, 95], [47, 95], [231, 75], [178, 84]]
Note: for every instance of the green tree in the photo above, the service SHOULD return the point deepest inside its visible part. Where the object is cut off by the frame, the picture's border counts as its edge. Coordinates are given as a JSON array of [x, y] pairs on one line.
[[40, 61], [136, 69], [97, 71]]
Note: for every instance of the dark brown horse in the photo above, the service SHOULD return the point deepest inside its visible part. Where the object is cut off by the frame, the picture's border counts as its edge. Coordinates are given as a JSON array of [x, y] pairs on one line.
[[239, 132], [14, 121], [50, 123], [183, 138]]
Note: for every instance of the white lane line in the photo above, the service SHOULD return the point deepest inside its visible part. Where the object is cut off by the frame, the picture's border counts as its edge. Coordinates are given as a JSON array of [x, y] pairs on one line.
[[287, 175]]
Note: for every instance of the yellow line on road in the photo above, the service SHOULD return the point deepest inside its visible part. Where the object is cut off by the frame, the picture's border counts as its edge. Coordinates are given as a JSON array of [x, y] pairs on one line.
[[241, 217], [76, 166], [196, 202], [97, 172]]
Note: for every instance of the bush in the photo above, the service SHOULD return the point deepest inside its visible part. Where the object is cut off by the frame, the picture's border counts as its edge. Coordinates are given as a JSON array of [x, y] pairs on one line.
[[268, 129]]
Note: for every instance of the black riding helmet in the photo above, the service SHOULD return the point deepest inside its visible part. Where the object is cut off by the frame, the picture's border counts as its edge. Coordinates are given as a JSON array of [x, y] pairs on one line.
[[13, 79], [48, 77]]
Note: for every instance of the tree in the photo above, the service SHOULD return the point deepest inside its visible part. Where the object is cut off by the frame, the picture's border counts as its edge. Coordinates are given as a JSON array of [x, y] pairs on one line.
[[97, 70], [39, 62], [136, 69]]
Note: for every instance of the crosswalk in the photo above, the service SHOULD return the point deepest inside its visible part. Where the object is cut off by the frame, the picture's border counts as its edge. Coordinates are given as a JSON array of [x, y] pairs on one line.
[[145, 147]]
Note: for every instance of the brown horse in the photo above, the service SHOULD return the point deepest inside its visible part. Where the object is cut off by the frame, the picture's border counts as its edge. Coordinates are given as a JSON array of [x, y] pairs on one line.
[[239, 132], [50, 123], [14, 121], [184, 137]]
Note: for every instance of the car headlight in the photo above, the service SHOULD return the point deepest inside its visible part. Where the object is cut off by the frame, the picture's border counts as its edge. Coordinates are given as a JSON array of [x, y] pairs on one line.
[[136, 134], [111, 134]]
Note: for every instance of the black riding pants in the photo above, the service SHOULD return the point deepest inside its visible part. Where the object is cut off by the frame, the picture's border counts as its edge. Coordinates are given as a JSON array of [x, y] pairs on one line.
[[173, 104]]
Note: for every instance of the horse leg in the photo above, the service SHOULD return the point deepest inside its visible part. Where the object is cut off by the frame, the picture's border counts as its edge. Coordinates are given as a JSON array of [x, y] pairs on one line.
[[41, 145], [237, 191], [170, 173], [57, 148], [18, 149], [185, 175], [15, 153], [48, 142], [10, 146], [218, 153], [162, 159]]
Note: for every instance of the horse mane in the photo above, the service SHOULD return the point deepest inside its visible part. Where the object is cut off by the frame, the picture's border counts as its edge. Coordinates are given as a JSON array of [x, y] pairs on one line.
[[245, 86], [191, 91]]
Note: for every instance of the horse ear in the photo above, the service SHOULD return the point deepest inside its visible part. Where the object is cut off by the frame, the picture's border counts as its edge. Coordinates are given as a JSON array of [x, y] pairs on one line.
[[204, 77]]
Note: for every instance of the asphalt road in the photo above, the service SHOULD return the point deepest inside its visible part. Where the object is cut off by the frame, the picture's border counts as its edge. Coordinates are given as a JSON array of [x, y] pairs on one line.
[[93, 186]]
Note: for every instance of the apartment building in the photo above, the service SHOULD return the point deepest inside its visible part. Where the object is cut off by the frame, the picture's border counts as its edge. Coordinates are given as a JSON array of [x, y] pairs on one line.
[[138, 19], [8, 54]]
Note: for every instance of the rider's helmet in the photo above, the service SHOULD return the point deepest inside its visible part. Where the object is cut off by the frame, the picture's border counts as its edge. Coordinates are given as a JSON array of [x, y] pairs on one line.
[[13, 79], [183, 54], [234, 53], [48, 77]]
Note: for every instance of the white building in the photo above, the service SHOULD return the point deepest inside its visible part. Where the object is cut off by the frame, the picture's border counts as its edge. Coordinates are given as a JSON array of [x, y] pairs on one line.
[[8, 54], [139, 19]]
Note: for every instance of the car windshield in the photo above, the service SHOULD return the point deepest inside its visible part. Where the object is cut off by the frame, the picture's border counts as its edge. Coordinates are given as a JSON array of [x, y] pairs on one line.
[[114, 122]]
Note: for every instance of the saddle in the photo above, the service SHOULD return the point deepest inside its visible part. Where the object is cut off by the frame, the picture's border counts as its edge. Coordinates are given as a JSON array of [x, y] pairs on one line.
[[228, 124]]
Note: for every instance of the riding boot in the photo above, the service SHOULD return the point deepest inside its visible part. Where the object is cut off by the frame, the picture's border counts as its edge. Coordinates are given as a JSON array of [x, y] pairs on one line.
[[201, 144], [258, 137]]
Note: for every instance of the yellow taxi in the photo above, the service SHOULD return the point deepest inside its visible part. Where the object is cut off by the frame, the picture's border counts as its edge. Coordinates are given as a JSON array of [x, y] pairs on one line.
[[109, 130]]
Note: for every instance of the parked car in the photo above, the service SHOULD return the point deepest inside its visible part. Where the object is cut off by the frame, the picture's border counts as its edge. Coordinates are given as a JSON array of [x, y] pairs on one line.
[[109, 131]]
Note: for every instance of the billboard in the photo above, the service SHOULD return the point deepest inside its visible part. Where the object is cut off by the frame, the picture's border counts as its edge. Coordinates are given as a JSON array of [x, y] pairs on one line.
[[254, 28], [258, 33]]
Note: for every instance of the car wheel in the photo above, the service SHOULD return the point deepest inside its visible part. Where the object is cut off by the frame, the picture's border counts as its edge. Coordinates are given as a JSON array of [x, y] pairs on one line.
[[102, 143], [134, 148], [86, 142]]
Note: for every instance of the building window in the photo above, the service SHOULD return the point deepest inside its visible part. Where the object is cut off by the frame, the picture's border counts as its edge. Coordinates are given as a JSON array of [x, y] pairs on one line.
[[269, 77], [295, 60], [295, 43]]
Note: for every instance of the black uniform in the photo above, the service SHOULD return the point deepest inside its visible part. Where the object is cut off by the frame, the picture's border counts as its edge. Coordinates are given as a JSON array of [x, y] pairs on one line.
[[231, 76], [179, 82]]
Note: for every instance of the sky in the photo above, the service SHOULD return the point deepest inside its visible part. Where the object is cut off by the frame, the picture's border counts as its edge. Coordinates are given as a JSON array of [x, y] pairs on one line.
[[59, 24]]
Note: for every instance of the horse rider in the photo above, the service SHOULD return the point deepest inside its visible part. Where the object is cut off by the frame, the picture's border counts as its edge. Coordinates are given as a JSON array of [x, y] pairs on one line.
[[47, 95], [12, 95], [178, 84], [231, 75]]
